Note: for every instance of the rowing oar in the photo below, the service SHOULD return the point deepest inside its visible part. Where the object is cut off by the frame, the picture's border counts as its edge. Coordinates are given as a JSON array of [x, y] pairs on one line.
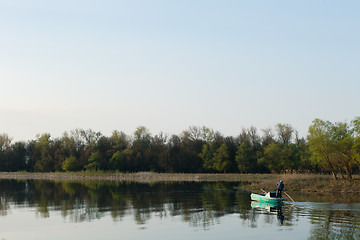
[[263, 191], [289, 197]]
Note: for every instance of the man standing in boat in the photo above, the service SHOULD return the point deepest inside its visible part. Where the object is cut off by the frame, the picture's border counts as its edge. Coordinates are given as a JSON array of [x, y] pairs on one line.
[[280, 188]]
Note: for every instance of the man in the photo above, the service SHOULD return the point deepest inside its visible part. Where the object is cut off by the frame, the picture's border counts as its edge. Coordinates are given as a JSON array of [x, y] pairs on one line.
[[280, 188]]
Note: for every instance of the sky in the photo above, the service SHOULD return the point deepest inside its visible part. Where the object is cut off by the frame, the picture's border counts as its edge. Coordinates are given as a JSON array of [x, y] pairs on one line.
[[170, 64]]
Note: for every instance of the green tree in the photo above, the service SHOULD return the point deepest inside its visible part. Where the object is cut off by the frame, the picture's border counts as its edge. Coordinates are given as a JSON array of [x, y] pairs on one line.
[[119, 141], [5, 151], [104, 146], [94, 162], [222, 159], [275, 157], [174, 148], [19, 157], [246, 158], [70, 164], [117, 161], [302, 155], [356, 147], [140, 146], [75, 145], [160, 152], [335, 146], [188, 159], [322, 146], [207, 155], [131, 163], [249, 151], [42, 153], [69, 145], [343, 140]]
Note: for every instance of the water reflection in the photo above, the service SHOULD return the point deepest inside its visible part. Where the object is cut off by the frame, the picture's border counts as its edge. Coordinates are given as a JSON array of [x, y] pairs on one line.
[[276, 208], [201, 205]]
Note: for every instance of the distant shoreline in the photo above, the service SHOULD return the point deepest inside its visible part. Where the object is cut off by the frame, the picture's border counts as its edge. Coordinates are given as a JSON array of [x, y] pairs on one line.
[[293, 182]]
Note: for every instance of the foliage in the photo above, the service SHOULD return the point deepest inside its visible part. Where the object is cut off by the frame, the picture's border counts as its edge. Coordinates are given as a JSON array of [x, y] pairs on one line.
[[94, 162], [70, 164], [334, 146], [117, 161], [222, 161], [329, 147], [207, 155]]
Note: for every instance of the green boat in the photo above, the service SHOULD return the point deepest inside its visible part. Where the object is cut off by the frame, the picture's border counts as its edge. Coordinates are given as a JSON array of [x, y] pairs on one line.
[[269, 197]]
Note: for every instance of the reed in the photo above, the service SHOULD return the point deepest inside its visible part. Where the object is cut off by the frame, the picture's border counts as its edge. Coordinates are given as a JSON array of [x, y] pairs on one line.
[[293, 182]]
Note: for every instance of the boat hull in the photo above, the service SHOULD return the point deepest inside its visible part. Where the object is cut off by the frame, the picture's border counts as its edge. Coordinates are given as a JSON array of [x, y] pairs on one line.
[[264, 198]]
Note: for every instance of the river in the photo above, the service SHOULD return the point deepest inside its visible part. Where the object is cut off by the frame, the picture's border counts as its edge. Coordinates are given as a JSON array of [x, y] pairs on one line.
[[39, 209]]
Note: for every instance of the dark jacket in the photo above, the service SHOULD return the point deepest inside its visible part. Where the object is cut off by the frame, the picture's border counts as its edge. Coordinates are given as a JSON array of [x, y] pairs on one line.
[[280, 186]]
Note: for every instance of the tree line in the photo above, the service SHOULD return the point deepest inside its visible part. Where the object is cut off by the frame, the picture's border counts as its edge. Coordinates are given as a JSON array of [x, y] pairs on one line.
[[329, 147]]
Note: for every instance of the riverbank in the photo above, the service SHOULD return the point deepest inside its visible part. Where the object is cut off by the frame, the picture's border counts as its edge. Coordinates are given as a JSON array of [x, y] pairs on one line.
[[293, 182]]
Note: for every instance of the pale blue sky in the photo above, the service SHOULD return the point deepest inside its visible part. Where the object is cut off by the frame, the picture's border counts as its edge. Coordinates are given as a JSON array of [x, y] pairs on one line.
[[114, 65]]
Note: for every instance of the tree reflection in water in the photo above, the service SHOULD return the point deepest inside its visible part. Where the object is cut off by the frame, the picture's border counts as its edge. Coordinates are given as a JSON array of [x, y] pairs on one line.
[[200, 204], [334, 224]]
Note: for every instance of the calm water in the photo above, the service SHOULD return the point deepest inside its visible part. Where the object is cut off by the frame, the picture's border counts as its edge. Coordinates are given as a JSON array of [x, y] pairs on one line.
[[98, 210]]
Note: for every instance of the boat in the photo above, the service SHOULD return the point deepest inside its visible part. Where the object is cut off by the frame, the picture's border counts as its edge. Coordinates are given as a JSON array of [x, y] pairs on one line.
[[269, 197]]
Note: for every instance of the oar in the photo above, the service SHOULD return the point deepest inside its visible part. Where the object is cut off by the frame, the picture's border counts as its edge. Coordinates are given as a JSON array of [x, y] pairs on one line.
[[263, 191], [289, 197]]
